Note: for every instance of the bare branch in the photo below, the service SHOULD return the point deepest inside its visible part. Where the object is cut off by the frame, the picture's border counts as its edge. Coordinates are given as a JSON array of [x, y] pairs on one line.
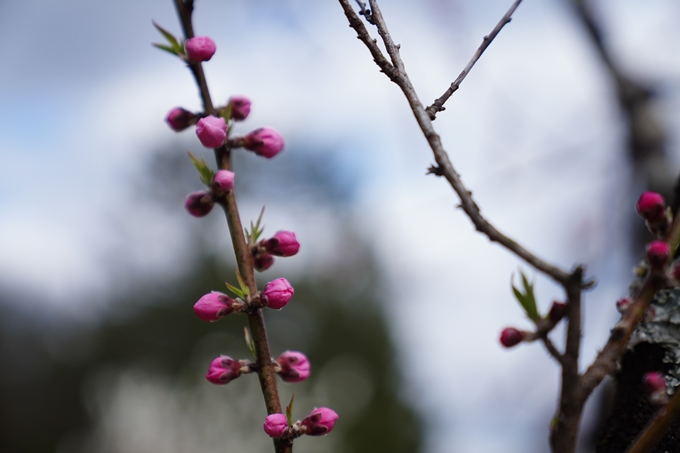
[[552, 350], [438, 104], [651, 435]]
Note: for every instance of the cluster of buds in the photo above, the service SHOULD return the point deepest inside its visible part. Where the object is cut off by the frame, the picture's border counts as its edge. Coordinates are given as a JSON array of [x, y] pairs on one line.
[[655, 388], [512, 337], [200, 203], [318, 423], [283, 243]]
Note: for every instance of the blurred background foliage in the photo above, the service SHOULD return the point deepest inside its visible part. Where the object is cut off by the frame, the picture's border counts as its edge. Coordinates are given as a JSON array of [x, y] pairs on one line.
[[133, 380]]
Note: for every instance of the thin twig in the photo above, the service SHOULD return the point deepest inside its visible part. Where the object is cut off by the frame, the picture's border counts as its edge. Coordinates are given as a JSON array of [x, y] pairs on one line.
[[265, 369], [438, 104], [552, 350], [655, 430], [365, 12]]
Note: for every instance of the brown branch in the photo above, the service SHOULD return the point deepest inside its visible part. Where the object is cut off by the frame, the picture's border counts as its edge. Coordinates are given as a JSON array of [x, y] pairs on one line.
[[552, 350], [265, 368], [438, 104], [653, 433]]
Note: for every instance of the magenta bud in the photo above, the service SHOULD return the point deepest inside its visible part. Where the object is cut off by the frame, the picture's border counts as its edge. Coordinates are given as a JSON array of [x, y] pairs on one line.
[[265, 142], [213, 306], [223, 370], [557, 312], [655, 387], [199, 204], [511, 337], [294, 366], [179, 119], [651, 206], [223, 181], [283, 243], [277, 293], [263, 261], [623, 304], [658, 253], [275, 425], [240, 107], [211, 131], [319, 422], [200, 48]]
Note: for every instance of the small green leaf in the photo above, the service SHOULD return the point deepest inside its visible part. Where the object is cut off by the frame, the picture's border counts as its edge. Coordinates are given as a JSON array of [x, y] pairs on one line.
[[244, 288], [256, 230], [205, 172], [168, 36], [166, 48], [235, 290], [526, 299], [250, 343], [289, 410], [226, 113]]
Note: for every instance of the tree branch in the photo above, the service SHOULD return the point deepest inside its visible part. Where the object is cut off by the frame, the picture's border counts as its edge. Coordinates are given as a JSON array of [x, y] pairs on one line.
[[653, 433], [438, 104]]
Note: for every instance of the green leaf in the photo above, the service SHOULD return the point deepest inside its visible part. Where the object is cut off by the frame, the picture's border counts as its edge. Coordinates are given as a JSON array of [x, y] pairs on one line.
[[205, 172], [235, 290], [527, 299], [255, 230], [289, 410], [250, 343], [166, 48], [226, 113], [168, 36], [244, 288]]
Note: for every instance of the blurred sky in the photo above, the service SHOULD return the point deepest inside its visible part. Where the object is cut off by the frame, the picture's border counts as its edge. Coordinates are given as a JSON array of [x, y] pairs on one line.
[[534, 131]]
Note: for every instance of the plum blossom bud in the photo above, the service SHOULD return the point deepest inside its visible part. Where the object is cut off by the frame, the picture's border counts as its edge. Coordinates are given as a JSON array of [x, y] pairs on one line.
[[651, 206], [213, 306], [200, 48], [623, 304], [557, 312], [275, 425], [211, 131], [223, 181], [294, 366], [655, 387], [265, 142], [263, 261], [179, 119], [511, 337], [658, 253], [240, 107], [199, 204], [283, 243], [277, 293], [319, 422], [223, 370]]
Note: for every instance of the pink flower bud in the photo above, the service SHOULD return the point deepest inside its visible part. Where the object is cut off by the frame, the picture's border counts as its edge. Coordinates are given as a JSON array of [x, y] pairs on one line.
[[277, 293], [623, 304], [283, 243], [223, 370], [557, 312], [213, 306], [658, 253], [179, 119], [199, 204], [655, 387], [240, 107], [200, 48], [265, 142], [211, 131], [511, 337], [651, 206], [294, 366], [320, 421], [263, 261], [275, 425], [223, 181]]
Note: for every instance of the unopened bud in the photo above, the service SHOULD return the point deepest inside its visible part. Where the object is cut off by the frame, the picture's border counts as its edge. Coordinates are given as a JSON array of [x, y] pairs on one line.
[[655, 387], [277, 293], [211, 131], [651, 206], [223, 181], [179, 119], [223, 370], [294, 366], [557, 312], [199, 204], [283, 243], [265, 142], [263, 261], [319, 422], [275, 425], [200, 48], [213, 306], [240, 107], [658, 253], [511, 337], [623, 304]]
